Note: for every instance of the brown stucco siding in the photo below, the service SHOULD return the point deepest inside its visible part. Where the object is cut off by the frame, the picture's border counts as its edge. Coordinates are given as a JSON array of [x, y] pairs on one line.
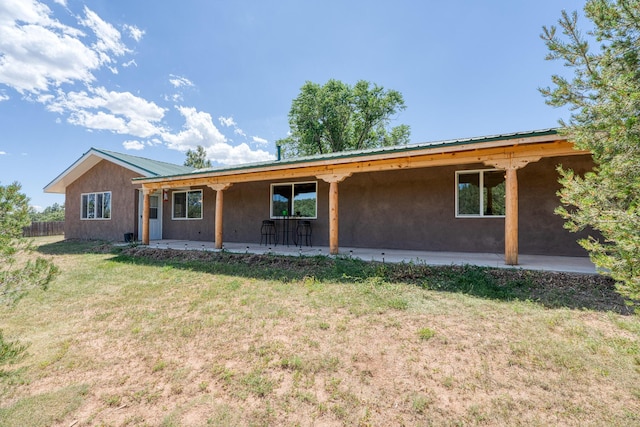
[[412, 209], [403, 209], [190, 229], [415, 209], [540, 229], [246, 205], [105, 176]]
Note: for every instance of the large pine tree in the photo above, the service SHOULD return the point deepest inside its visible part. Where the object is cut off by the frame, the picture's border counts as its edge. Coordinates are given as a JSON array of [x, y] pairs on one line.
[[604, 96]]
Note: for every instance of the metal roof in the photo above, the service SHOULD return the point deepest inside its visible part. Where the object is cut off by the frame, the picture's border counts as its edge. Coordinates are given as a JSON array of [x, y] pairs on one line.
[[368, 152], [146, 167], [152, 167], [149, 169]]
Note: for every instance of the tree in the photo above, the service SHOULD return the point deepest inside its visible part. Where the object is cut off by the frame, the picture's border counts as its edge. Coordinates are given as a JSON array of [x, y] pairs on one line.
[[604, 96], [337, 117], [54, 212], [18, 274], [197, 158]]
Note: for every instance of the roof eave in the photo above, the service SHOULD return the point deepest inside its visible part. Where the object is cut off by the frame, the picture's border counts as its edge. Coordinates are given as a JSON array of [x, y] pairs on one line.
[[547, 135]]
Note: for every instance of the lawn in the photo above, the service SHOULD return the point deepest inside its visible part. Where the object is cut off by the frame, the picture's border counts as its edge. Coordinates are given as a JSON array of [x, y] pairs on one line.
[[134, 337]]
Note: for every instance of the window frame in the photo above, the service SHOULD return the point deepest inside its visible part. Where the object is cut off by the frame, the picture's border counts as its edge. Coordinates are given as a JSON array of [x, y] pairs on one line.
[[102, 209], [480, 173], [292, 184], [186, 217]]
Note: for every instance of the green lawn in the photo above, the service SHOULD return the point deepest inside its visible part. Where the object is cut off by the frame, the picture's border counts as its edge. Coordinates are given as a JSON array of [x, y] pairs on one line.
[[146, 338]]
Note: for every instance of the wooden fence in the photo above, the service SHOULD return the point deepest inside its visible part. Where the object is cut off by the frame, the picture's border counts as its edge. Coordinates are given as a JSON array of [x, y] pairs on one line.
[[44, 229]]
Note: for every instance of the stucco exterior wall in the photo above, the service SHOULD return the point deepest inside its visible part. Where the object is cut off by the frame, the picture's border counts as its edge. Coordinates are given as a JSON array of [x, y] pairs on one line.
[[190, 229], [410, 209], [104, 176], [415, 209]]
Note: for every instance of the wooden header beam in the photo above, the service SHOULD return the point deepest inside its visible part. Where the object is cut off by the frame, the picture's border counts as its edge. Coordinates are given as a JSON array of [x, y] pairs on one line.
[[377, 163]]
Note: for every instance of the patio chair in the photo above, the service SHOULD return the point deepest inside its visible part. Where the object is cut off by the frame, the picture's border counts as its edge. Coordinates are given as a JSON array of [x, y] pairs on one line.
[[303, 230], [268, 232]]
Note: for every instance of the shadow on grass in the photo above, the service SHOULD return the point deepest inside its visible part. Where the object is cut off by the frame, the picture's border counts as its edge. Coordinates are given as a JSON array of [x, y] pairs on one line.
[[550, 289], [75, 247]]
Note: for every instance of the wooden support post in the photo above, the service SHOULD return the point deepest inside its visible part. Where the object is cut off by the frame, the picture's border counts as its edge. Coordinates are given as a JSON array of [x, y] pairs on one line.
[[145, 215], [333, 218], [219, 189], [511, 218], [511, 165], [333, 180]]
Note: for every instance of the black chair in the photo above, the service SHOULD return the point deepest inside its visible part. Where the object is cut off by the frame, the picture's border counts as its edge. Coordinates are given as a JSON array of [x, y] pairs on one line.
[[268, 232], [303, 230]]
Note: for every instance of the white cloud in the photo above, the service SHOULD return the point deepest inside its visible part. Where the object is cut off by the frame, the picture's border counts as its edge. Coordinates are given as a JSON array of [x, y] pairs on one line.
[[108, 37], [119, 112], [197, 130], [134, 32], [38, 52], [227, 154], [40, 56], [2, 153], [133, 145], [179, 82], [227, 121], [259, 140], [200, 130]]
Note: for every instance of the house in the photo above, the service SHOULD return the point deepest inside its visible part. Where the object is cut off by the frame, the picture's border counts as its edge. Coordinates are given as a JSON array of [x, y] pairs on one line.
[[486, 194], [102, 201]]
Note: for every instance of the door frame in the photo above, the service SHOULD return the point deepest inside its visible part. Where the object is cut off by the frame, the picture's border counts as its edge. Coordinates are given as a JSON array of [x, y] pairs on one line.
[[152, 236]]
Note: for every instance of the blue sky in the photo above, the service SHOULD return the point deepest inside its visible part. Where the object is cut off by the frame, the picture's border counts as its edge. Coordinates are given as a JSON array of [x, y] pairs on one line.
[[157, 78]]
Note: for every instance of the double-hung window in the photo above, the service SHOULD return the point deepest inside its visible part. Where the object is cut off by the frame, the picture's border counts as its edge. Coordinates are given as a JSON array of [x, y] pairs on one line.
[[95, 205], [480, 193], [298, 199], [187, 204]]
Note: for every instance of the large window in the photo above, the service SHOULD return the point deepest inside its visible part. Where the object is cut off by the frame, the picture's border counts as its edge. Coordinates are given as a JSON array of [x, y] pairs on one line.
[[480, 193], [187, 204], [95, 205], [294, 199]]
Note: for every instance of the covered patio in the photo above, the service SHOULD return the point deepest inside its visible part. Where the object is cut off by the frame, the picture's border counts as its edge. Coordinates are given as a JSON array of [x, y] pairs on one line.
[[527, 262]]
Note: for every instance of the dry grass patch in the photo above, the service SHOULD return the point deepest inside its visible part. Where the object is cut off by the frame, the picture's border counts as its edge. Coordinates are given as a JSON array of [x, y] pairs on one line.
[[151, 340]]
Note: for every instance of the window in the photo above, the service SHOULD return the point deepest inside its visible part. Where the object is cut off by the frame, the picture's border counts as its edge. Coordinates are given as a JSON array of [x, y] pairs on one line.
[[187, 204], [294, 199], [153, 207], [95, 205], [480, 193]]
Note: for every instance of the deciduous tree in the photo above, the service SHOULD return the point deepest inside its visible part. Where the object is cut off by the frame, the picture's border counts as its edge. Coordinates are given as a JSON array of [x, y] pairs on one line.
[[604, 96], [338, 117]]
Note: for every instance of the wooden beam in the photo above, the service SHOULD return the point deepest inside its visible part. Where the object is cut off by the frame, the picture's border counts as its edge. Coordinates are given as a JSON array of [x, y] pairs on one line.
[[333, 179], [219, 189], [401, 160], [145, 215], [511, 218], [333, 218]]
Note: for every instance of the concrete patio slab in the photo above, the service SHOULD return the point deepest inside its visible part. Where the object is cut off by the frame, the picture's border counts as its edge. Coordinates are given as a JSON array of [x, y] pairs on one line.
[[527, 262]]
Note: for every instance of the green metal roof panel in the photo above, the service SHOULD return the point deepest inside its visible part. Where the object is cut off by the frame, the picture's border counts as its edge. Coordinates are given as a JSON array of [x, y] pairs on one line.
[[367, 152], [153, 167]]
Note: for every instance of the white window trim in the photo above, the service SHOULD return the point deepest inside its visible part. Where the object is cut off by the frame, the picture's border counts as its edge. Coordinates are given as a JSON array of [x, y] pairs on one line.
[[292, 184], [186, 218], [96, 194], [481, 183]]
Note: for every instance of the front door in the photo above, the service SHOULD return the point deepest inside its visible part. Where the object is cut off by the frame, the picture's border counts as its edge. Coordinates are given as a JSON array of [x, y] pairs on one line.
[[155, 217]]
